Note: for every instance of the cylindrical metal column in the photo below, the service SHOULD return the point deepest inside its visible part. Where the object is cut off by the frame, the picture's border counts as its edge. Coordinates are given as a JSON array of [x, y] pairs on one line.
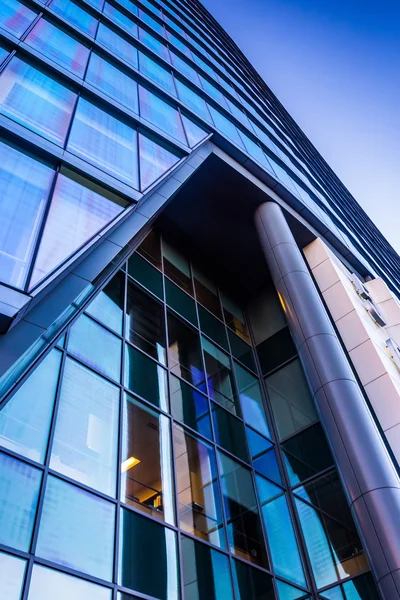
[[370, 479]]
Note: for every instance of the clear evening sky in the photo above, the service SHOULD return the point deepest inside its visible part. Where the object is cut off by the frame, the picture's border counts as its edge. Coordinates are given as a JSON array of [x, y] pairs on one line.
[[335, 66]]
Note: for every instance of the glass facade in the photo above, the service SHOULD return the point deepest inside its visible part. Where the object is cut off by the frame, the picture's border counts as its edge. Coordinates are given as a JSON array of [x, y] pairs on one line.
[[157, 439]]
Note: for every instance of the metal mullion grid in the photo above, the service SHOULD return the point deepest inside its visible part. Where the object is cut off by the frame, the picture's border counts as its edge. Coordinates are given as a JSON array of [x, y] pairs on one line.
[[297, 529]]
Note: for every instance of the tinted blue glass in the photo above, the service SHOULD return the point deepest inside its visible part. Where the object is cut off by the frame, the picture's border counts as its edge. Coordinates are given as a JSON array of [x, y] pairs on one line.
[[189, 406], [96, 4], [158, 47], [146, 18], [226, 127], [22, 429], [156, 73], [213, 91], [194, 133], [185, 68], [15, 16], [191, 99], [255, 151], [161, 114], [75, 15], [96, 346], [12, 572], [288, 592], [152, 8], [266, 490], [117, 44], [131, 6], [174, 25], [35, 100], [257, 444], [121, 19], [45, 581], [105, 141], [267, 465], [64, 49], [107, 307], [251, 400], [77, 529], [209, 70], [24, 184], [113, 82], [282, 541], [155, 160], [19, 490], [179, 44]]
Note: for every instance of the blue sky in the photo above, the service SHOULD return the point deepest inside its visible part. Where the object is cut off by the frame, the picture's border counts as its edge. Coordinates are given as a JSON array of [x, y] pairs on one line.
[[335, 66]]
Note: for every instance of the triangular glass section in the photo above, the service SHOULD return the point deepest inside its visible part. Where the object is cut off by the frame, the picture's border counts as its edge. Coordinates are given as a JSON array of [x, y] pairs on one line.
[[194, 133], [155, 160], [78, 210], [288, 592]]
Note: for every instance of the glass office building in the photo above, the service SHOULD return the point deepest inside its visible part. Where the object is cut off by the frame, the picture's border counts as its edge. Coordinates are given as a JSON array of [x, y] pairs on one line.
[[182, 415]]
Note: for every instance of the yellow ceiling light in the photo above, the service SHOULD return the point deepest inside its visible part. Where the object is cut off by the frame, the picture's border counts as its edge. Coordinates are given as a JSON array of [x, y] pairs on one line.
[[129, 463]]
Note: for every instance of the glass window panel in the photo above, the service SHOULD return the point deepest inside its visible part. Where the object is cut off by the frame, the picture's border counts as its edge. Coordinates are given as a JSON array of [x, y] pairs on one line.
[[266, 490], [251, 584], [145, 378], [77, 529], [241, 350], [219, 376], [19, 493], [213, 91], [23, 429], [180, 302], [120, 19], [108, 305], [199, 501], [96, 4], [96, 346], [179, 44], [156, 73], [25, 184], [360, 588], [184, 352], [290, 398], [176, 267], [161, 114], [193, 100], [131, 6], [307, 454], [145, 323], [35, 100], [61, 47], [263, 456], [243, 520], [189, 406], [113, 82], [150, 248], [229, 432], [255, 151], [174, 25], [194, 133], [206, 293], [257, 443], [205, 66], [276, 350], [117, 44], [105, 141], [282, 541], [155, 160], [185, 68], [251, 400], [146, 18], [146, 469], [3, 54], [15, 17], [206, 573], [85, 440], [213, 328], [152, 8], [45, 581], [148, 545], [288, 592], [78, 211], [12, 573], [156, 46], [225, 126], [234, 317], [75, 15], [145, 274]]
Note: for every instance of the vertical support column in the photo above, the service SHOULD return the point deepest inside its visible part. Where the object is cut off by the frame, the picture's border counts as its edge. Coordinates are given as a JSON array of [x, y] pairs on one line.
[[370, 480]]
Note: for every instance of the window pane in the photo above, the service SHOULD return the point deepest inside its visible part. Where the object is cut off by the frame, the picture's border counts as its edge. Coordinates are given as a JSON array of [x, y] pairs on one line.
[[96, 346], [157, 47], [206, 293], [213, 92], [251, 400], [120, 19], [219, 376], [145, 323], [146, 480], [176, 267], [145, 274], [85, 440], [226, 127], [19, 492], [117, 44], [180, 302], [194, 133], [161, 114], [107, 142], [146, 18], [307, 454], [25, 184], [263, 455], [150, 248], [360, 588], [145, 378], [189, 406], [205, 572], [148, 545], [282, 541], [288, 592], [243, 521], [107, 307], [229, 432], [155, 160], [185, 68], [234, 317], [193, 100], [199, 500], [251, 584], [61, 47], [184, 353], [75, 15], [77, 529], [131, 6], [12, 573], [212, 327], [290, 399], [45, 582], [156, 73], [78, 211], [15, 16], [113, 82], [23, 429]]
